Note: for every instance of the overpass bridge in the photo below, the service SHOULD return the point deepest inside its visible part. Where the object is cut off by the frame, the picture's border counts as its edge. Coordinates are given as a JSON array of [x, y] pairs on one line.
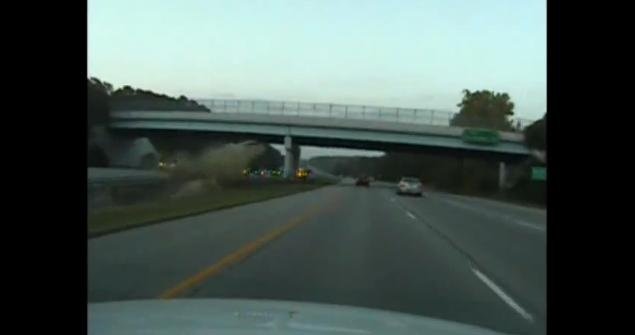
[[328, 125]]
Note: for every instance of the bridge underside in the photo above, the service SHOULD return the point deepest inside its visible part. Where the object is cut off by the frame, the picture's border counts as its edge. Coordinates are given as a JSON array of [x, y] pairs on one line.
[[158, 135]]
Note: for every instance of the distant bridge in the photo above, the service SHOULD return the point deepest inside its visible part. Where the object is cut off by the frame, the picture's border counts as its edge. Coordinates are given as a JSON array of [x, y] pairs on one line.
[[326, 125]]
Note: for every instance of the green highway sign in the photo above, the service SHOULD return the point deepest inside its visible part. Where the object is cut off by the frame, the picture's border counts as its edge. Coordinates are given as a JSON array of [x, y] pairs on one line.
[[481, 136], [538, 173]]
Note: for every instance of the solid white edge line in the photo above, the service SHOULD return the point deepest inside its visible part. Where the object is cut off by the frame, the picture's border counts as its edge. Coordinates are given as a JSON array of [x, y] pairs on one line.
[[507, 299], [411, 215]]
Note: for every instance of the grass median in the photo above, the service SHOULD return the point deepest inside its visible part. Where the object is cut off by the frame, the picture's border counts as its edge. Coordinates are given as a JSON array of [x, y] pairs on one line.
[[125, 217]]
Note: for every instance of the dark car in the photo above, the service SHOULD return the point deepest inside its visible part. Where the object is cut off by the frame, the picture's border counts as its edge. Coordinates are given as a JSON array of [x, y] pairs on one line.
[[362, 181]]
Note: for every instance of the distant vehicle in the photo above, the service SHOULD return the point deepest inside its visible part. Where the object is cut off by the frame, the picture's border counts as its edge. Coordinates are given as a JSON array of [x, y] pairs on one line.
[[410, 185], [302, 174], [362, 181], [276, 173], [163, 165], [249, 172]]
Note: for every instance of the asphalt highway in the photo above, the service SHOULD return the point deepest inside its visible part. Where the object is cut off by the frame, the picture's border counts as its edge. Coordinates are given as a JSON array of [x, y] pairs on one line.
[[450, 257]]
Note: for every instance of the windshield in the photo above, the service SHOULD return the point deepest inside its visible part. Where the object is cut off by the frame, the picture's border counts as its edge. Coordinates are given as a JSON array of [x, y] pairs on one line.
[[255, 149], [410, 180]]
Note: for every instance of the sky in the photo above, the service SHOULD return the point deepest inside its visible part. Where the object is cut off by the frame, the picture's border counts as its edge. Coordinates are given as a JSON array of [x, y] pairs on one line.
[[418, 54]]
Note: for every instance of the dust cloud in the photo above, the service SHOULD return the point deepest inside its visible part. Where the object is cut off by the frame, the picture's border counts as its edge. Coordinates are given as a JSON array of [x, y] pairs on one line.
[[214, 168]]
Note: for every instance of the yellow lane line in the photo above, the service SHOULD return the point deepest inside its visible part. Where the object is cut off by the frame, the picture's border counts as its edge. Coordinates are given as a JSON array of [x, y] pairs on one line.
[[236, 256]]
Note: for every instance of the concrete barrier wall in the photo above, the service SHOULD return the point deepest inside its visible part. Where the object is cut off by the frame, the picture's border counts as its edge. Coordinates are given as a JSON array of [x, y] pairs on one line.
[[123, 151], [108, 187]]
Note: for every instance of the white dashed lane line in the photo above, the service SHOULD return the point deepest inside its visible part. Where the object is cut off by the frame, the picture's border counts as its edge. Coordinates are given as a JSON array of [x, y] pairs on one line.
[[501, 294], [488, 282], [410, 215]]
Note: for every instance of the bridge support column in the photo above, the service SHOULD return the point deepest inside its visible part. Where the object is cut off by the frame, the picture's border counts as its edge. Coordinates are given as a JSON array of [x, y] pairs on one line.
[[296, 157], [291, 157], [502, 176]]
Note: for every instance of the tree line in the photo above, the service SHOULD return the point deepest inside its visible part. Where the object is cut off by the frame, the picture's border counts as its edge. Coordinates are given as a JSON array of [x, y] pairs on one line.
[[472, 176], [485, 109], [102, 98]]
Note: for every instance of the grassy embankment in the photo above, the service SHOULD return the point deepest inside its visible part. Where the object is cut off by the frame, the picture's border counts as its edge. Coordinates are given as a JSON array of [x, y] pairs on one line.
[[126, 217]]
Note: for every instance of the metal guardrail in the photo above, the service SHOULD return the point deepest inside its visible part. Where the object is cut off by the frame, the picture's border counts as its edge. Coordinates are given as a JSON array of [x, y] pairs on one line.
[[328, 110]]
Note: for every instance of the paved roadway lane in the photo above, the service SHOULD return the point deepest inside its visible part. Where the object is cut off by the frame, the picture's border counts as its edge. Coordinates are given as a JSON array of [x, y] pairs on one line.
[[506, 242], [356, 246], [509, 242]]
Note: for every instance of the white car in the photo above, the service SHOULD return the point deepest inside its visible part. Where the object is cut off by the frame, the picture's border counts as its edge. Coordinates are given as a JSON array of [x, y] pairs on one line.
[[410, 185]]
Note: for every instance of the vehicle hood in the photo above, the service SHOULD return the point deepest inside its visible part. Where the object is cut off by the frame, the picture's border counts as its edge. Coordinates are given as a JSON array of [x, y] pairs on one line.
[[241, 316]]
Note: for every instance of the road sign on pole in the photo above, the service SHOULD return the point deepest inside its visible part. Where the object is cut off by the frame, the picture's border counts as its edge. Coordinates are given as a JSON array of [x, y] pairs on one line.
[[539, 173]]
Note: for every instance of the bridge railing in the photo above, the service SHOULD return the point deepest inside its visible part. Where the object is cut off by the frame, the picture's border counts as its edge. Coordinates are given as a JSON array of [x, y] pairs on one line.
[[390, 114]]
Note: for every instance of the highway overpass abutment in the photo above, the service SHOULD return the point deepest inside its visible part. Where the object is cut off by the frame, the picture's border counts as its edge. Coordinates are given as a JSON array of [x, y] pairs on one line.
[[125, 151]]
